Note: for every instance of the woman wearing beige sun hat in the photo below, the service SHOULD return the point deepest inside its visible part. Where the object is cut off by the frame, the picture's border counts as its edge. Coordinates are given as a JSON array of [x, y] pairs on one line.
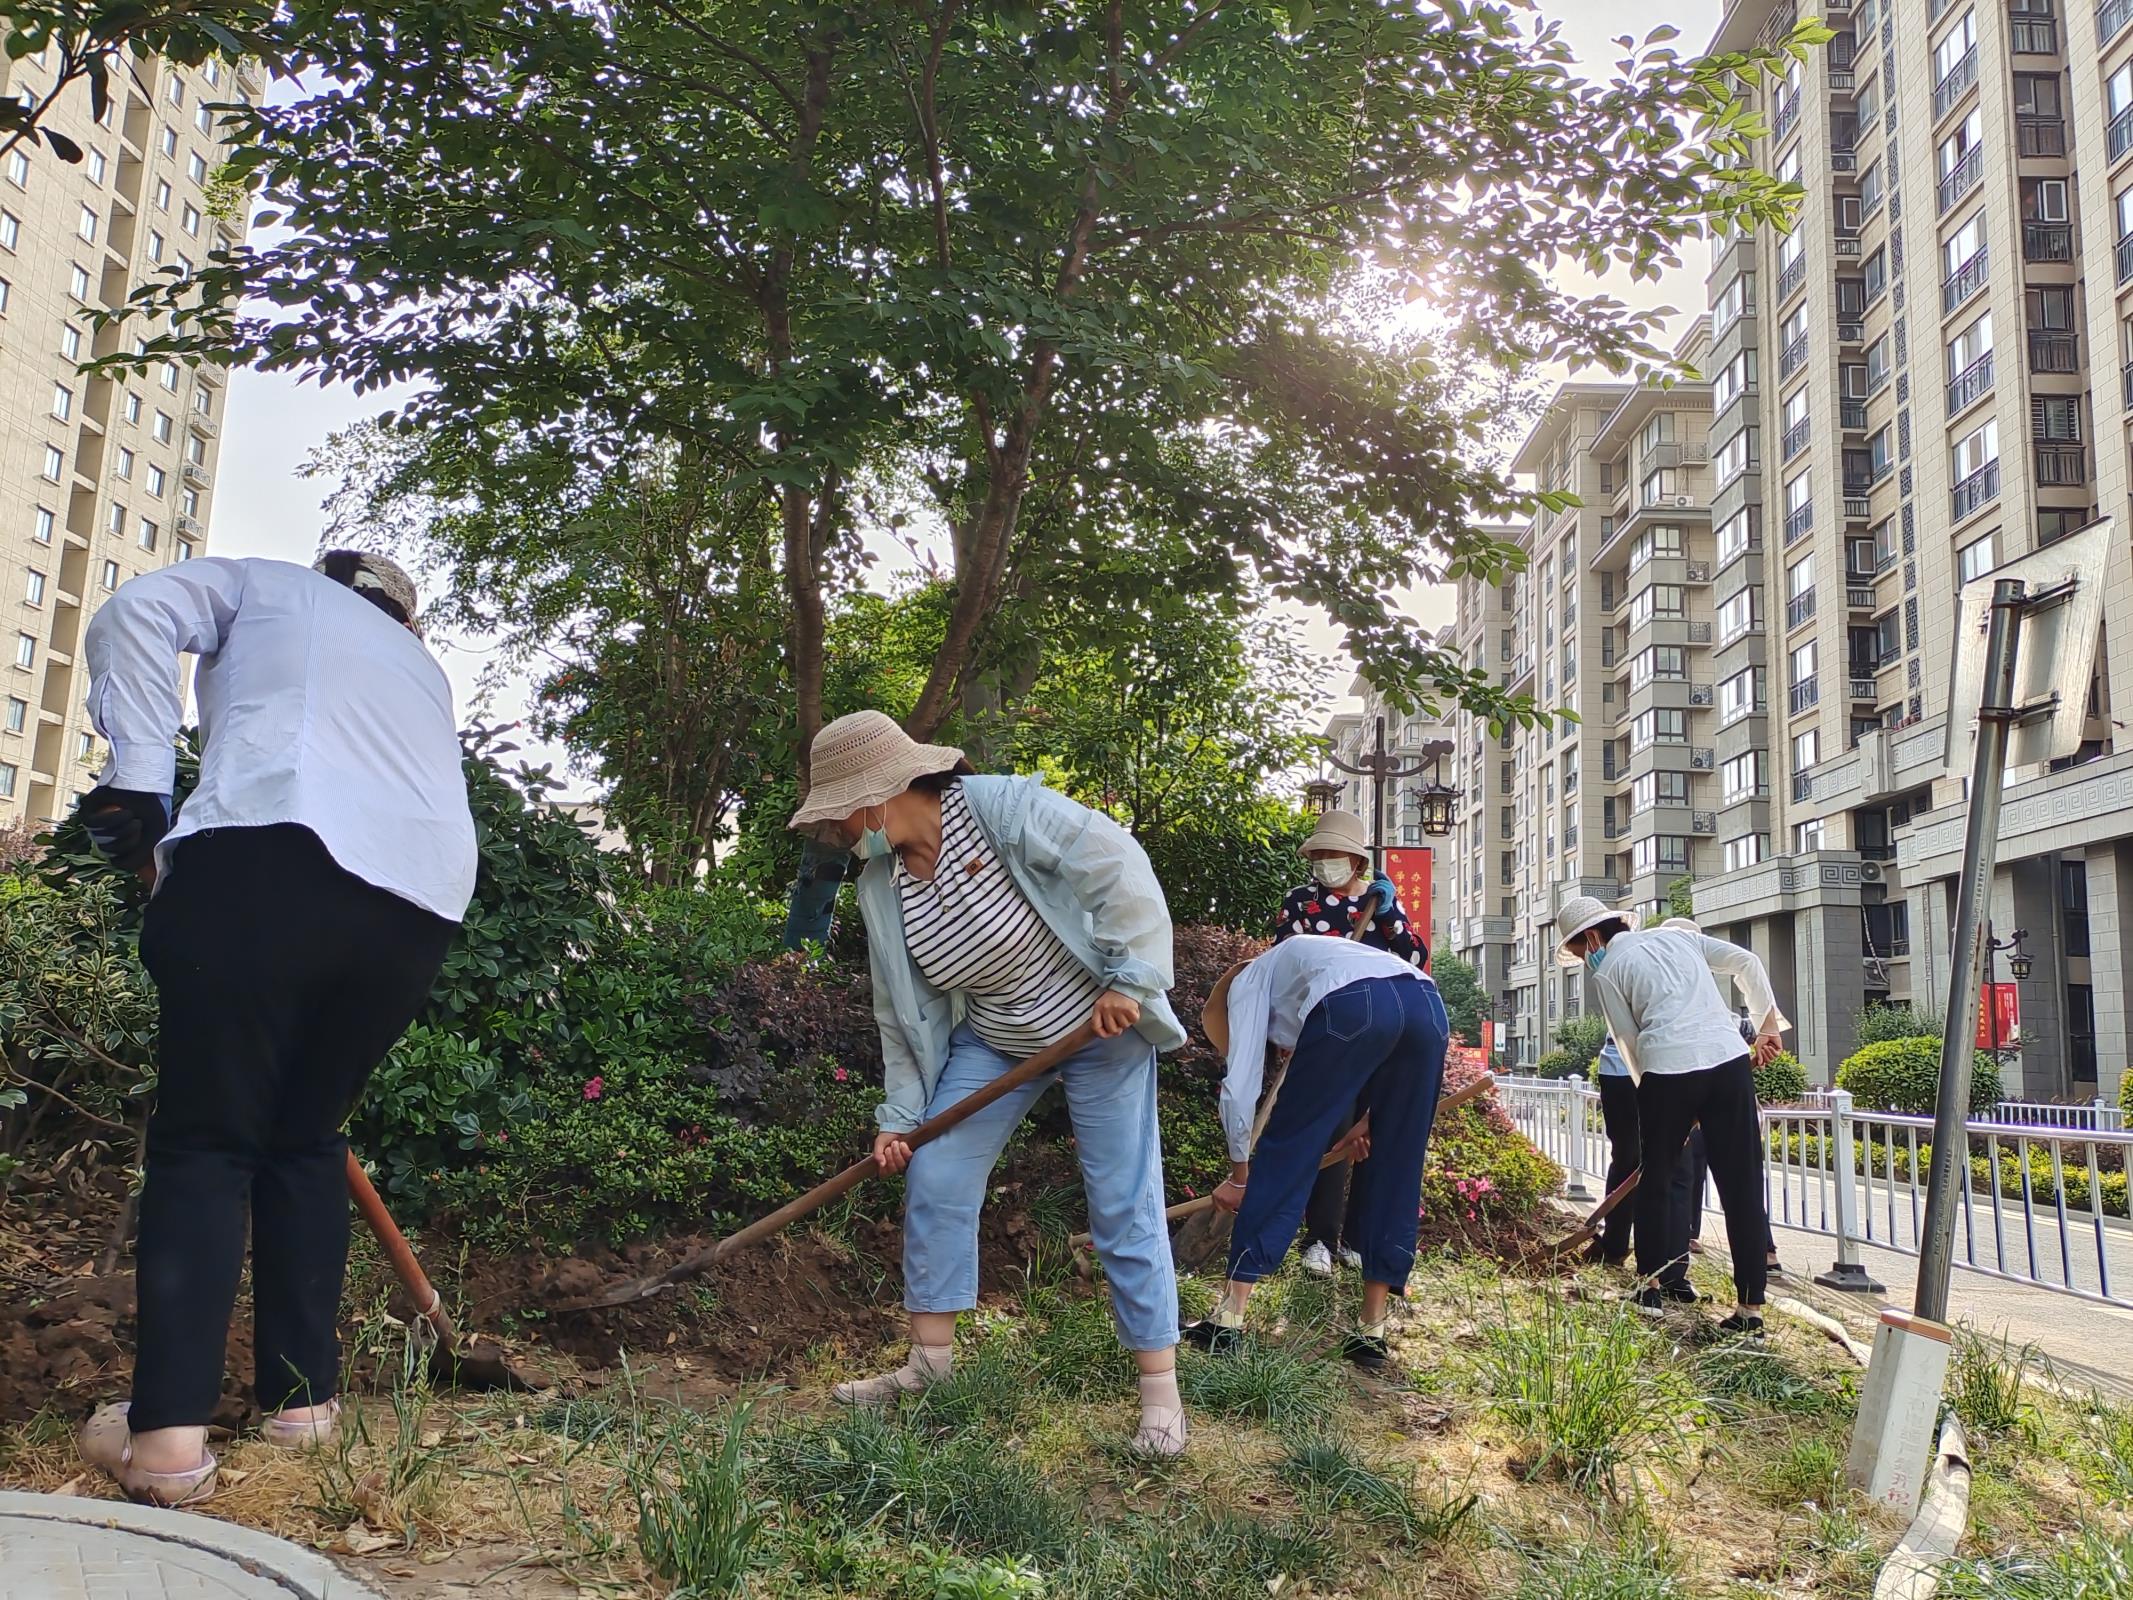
[[1000, 917]]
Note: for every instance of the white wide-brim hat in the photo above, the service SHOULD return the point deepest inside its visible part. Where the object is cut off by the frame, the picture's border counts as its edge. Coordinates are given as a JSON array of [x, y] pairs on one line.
[[1580, 914], [1681, 925], [865, 759], [1214, 1016], [1341, 831]]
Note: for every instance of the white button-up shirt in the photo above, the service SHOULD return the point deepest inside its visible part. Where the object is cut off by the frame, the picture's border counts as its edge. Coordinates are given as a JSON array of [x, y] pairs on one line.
[[1659, 990], [1269, 1002], [316, 708]]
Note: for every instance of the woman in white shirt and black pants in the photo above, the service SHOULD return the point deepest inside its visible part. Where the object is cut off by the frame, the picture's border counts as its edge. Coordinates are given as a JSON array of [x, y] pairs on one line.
[[1684, 1049], [1368, 1031]]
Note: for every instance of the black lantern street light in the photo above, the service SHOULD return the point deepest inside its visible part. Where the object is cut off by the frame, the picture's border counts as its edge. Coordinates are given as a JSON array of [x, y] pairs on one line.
[[1377, 767], [1437, 801], [2019, 963], [1322, 795]]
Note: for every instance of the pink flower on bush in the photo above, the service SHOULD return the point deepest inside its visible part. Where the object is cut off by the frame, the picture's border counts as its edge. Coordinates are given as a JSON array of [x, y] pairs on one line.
[[841, 1075], [594, 1087]]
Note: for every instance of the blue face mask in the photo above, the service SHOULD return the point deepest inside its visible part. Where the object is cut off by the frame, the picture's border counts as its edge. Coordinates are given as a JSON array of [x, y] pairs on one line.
[[873, 842], [1594, 957]]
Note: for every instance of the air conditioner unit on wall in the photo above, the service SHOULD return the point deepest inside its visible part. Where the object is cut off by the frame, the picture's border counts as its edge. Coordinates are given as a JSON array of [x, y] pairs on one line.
[[1869, 872], [1683, 502]]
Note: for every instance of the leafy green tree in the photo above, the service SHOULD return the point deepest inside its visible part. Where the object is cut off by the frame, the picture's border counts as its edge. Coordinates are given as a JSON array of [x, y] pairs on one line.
[[1465, 1001], [641, 589], [1681, 897], [1045, 264]]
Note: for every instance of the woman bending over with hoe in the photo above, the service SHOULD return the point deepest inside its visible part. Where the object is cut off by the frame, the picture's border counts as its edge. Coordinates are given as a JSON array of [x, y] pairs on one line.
[[1000, 918]]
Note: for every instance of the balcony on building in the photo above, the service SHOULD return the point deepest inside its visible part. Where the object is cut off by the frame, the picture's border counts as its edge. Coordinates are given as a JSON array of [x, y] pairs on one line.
[[2047, 241], [1795, 438], [1792, 357], [2125, 385], [2053, 352], [2061, 465], [1975, 492], [1849, 332], [1970, 384], [1961, 179], [1804, 695], [1791, 277], [2119, 135], [2033, 36], [1851, 416], [1788, 115], [1861, 683], [2040, 138], [1950, 90], [1800, 608], [1799, 522], [2110, 17], [2124, 255], [1803, 786], [1858, 498], [1967, 279]]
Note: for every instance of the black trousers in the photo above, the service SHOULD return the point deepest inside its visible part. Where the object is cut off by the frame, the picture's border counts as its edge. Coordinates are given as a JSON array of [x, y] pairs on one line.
[[1722, 1098], [282, 981], [1625, 1153], [1330, 1214]]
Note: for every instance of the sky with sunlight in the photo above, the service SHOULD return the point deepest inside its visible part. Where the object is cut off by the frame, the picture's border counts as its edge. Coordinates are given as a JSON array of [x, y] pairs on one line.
[[262, 508]]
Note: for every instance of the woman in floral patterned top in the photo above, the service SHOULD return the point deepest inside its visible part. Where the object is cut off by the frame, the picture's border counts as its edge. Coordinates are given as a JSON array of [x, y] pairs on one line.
[[1326, 907]]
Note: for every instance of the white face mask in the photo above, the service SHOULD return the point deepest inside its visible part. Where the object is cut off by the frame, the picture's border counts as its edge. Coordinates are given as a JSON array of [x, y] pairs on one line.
[[1333, 872]]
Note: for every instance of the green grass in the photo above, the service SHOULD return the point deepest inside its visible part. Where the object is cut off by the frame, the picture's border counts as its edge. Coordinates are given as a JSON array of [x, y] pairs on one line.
[[2103, 1449], [1635, 1565], [1263, 1381], [1810, 1471], [1737, 1377], [988, 1388], [1582, 1389], [2087, 1565], [1199, 1555], [1985, 1388], [698, 1519], [1329, 1477], [1070, 1348]]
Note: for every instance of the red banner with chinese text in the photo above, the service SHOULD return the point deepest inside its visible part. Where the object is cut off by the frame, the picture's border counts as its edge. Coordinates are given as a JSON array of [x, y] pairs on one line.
[[1999, 1016], [1409, 868]]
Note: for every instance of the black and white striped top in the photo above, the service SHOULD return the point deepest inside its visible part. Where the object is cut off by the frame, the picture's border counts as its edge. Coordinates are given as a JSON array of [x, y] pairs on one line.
[[972, 932]]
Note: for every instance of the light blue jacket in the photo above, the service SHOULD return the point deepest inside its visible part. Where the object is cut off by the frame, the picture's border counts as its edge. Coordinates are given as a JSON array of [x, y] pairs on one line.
[[1088, 879], [1611, 1063]]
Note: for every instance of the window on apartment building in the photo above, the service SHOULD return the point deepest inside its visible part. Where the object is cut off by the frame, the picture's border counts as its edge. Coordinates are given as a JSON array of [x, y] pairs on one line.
[[163, 427], [1788, 167], [84, 746], [1800, 579], [162, 194], [1792, 249], [1662, 725], [1734, 456], [2056, 418], [1807, 836], [2049, 310], [1663, 601], [1741, 777], [132, 407], [189, 218], [184, 551], [1733, 380], [1792, 332], [204, 118], [85, 225], [2036, 94], [1740, 612], [1795, 413], [1745, 850], [157, 478], [70, 341], [2074, 908], [167, 140], [1731, 304], [1975, 559], [1967, 138], [1957, 43], [1970, 347], [1663, 662], [1663, 541], [174, 90], [155, 245], [149, 534], [55, 463], [33, 588], [1877, 364], [7, 781], [1977, 450], [110, 576], [115, 519], [42, 526], [1732, 538], [1963, 246], [1660, 789], [196, 167], [1874, 282], [1741, 695], [1803, 662], [1851, 382], [196, 450], [1880, 453], [1661, 853], [62, 402], [167, 376], [10, 230], [18, 169], [18, 714], [123, 466], [1806, 749], [78, 282], [203, 400], [2044, 200], [25, 650], [2056, 522], [98, 167]]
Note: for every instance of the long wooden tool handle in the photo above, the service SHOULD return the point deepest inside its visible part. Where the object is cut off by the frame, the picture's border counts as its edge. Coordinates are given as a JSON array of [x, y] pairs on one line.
[[1365, 915], [1589, 1229], [851, 1177], [428, 1303]]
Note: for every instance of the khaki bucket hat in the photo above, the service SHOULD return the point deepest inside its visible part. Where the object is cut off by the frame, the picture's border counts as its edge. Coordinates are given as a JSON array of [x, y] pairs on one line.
[[865, 759], [1341, 831], [1214, 1016], [1580, 912]]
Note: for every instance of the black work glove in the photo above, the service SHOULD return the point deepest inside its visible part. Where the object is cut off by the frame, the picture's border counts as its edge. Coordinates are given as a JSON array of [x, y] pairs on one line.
[[125, 825]]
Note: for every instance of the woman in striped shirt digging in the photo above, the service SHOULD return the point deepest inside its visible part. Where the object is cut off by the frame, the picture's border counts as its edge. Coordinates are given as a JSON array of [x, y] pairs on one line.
[[1001, 917]]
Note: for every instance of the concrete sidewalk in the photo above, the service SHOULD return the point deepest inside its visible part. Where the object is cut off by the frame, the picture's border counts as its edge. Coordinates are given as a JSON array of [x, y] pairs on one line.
[[55, 1547]]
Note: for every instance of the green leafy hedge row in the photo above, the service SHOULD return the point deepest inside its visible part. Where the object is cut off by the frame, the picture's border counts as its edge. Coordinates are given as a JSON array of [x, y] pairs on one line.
[[1894, 1162]]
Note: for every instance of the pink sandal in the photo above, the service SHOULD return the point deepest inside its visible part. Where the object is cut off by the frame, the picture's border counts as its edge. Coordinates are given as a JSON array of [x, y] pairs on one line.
[[106, 1442], [311, 1433]]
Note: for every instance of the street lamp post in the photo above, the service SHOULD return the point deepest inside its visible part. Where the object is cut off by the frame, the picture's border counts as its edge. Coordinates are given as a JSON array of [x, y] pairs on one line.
[[1436, 801], [2019, 963], [1377, 767]]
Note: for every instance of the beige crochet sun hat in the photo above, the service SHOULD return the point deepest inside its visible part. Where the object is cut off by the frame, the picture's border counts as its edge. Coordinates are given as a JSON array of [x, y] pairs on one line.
[[1579, 913], [1340, 831], [865, 759]]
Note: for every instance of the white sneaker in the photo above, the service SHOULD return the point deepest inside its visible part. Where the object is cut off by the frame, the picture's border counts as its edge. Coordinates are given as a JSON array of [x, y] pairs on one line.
[[1351, 1259], [1318, 1260]]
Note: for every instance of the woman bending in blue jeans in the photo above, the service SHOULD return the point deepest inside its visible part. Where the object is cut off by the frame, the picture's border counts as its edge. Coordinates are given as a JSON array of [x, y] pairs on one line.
[[1367, 1030], [1000, 918]]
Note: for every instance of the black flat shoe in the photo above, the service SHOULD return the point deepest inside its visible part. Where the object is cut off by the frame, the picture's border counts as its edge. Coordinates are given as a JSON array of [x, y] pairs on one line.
[[1681, 1294], [1744, 1324], [1649, 1303], [1367, 1351], [1212, 1337]]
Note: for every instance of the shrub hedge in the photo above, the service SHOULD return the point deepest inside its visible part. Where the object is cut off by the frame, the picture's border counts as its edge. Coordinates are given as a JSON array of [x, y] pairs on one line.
[[1903, 1076], [1780, 1081]]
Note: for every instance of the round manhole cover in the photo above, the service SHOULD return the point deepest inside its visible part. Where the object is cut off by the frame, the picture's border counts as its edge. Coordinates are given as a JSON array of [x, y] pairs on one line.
[[62, 1549]]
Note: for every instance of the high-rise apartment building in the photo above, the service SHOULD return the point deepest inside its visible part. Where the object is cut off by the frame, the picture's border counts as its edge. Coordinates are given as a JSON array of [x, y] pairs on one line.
[[100, 478], [1928, 375], [1613, 622]]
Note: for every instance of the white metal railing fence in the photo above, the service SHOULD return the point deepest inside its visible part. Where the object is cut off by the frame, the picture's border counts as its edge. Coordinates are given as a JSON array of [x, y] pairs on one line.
[[2097, 1115], [2042, 1204]]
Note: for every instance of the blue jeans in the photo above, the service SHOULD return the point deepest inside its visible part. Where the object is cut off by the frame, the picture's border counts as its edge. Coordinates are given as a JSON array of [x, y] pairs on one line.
[[1110, 1090], [1379, 1042]]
